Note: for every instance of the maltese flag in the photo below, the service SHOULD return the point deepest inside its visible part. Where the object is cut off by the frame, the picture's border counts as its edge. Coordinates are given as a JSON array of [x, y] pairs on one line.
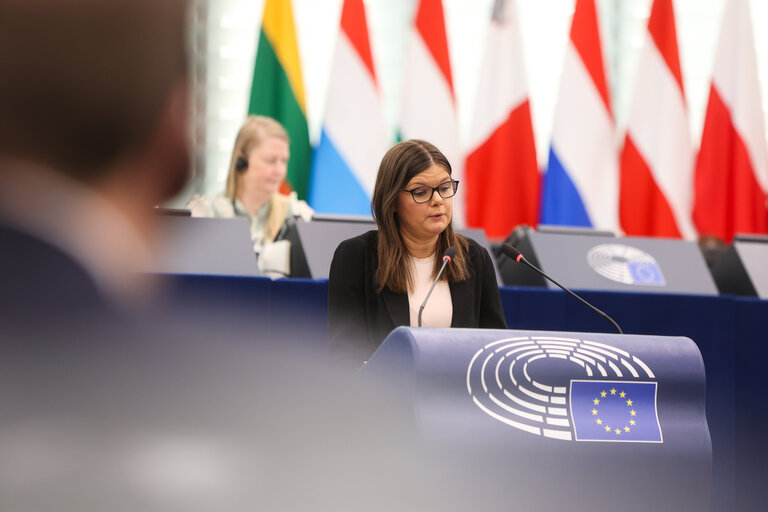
[[354, 135], [428, 104], [502, 175], [656, 191], [580, 186], [731, 177]]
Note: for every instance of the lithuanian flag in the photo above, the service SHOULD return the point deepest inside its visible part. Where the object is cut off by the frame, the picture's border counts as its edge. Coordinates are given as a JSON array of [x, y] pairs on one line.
[[277, 89]]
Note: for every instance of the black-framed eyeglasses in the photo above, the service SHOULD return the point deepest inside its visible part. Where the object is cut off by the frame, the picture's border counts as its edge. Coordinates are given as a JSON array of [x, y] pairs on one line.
[[423, 194]]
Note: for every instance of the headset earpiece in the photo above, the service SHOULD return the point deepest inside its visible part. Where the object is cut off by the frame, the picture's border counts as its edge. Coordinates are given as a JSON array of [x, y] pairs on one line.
[[241, 164]]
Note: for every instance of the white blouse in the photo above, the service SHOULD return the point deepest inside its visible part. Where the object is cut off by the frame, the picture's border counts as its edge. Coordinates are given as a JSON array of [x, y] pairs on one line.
[[439, 309]]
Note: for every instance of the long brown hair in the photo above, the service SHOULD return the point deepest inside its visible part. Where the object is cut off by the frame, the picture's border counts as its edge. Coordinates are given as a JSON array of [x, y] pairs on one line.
[[400, 164]]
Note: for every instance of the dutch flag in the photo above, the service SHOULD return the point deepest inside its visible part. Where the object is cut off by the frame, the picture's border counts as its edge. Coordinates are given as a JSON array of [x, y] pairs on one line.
[[580, 186]]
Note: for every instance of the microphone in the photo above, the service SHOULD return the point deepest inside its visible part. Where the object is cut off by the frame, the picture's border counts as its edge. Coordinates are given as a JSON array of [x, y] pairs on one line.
[[516, 255], [448, 256]]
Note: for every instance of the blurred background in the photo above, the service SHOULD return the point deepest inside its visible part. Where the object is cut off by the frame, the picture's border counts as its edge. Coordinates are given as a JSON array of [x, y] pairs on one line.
[[225, 34]]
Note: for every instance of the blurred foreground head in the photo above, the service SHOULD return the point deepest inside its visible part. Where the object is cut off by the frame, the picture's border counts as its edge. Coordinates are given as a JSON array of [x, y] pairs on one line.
[[93, 87]]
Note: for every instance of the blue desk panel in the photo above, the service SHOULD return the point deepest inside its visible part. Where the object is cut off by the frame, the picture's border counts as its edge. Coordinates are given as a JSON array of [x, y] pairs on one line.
[[729, 331]]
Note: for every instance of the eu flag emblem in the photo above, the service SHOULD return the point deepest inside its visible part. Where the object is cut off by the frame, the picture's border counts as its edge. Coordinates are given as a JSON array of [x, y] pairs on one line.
[[617, 411], [645, 273]]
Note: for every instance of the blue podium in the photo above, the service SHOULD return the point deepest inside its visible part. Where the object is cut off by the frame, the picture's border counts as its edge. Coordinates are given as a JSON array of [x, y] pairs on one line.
[[557, 420]]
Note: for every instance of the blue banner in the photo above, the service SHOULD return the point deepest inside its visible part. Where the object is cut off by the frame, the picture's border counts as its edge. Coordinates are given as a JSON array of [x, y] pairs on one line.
[[615, 411]]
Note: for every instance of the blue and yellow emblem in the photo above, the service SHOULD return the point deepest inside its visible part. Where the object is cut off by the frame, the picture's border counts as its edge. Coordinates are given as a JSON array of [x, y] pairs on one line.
[[616, 411]]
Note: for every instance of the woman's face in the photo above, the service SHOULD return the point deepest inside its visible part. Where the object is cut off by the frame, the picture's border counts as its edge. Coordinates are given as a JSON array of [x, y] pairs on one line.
[[425, 221], [267, 165]]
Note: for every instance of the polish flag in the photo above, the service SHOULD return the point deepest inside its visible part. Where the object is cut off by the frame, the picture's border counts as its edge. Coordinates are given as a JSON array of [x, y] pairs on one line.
[[581, 184], [354, 135], [502, 175], [731, 177], [655, 197], [428, 102]]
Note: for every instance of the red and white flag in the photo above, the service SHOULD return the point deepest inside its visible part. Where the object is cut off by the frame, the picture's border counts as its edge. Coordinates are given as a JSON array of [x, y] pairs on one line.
[[428, 103], [502, 176], [731, 177], [656, 196]]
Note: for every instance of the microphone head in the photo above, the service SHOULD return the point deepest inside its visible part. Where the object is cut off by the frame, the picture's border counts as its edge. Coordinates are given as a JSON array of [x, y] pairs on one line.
[[449, 253], [511, 252]]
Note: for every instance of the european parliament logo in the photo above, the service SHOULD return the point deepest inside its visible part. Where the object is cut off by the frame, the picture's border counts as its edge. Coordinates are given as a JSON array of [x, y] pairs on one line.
[[625, 264], [566, 388]]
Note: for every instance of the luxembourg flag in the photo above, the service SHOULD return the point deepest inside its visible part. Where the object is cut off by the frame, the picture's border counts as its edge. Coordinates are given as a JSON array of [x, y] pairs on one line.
[[656, 191], [502, 176], [731, 177], [354, 134], [580, 186], [428, 106]]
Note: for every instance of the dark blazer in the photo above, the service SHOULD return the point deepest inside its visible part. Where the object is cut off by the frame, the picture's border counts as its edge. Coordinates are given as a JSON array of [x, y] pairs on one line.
[[40, 283], [359, 318]]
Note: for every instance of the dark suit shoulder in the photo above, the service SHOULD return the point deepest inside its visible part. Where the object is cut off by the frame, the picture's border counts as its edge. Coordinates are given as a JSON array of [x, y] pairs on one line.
[[473, 245], [476, 251], [356, 246], [41, 281]]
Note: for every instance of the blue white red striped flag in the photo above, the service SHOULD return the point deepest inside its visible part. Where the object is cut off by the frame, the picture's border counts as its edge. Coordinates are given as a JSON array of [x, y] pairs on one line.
[[354, 134], [580, 186]]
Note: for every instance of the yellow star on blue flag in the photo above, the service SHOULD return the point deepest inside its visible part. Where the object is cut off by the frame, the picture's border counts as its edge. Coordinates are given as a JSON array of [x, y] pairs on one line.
[[615, 411]]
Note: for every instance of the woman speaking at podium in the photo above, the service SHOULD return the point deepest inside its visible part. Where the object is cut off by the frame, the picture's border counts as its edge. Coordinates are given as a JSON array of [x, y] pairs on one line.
[[379, 280]]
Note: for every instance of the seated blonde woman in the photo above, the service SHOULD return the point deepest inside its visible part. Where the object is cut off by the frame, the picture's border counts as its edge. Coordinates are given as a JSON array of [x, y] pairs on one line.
[[258, 167]]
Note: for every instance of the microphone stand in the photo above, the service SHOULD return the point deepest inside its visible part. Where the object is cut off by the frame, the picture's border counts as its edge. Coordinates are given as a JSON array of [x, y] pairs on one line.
[[446, 259], [518, 256]]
